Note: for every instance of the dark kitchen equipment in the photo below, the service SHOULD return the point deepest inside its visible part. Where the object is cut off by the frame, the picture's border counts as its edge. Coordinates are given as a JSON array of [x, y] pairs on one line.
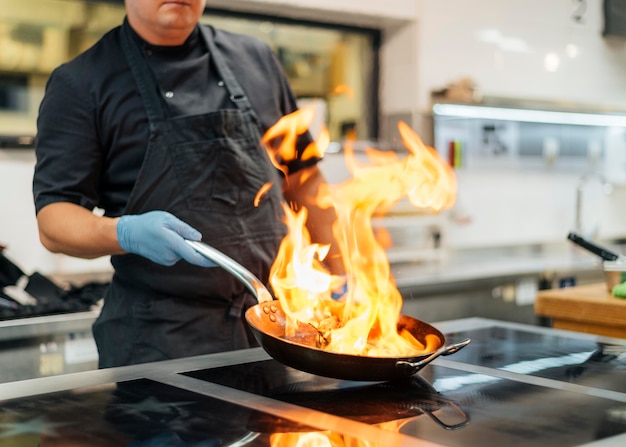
[[267, 321], [598, 250]]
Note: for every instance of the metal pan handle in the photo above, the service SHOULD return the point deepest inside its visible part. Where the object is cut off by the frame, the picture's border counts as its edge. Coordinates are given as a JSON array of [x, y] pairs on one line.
[[593, 248], [244, 275], [444, 350]]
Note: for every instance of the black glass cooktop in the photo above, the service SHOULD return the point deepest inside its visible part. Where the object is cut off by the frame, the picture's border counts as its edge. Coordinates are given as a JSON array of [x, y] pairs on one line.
[[138, 413], [553, 356], [492, 392], [442, 405], [456, 407]]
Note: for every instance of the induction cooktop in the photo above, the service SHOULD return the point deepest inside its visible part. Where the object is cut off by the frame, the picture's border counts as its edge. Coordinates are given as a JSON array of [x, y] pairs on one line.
[[548, 355], [509, 387], [494, 390], [134, 413]]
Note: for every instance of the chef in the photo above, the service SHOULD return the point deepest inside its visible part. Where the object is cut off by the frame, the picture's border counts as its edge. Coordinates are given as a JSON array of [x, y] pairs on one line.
[[151, 137]]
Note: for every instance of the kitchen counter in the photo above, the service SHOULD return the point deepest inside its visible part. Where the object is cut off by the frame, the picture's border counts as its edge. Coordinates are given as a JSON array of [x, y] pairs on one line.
[[589, 308], [484, 266], [459, 285], [512, 385], [45, 345], [57, 323], [498, 283]]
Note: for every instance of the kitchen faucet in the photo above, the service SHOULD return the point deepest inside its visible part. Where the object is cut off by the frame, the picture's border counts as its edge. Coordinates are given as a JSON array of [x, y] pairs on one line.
[[585, 179]]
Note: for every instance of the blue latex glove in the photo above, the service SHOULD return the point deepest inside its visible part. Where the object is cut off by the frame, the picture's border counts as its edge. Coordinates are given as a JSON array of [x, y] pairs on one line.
[[338, 293], [160, 237]]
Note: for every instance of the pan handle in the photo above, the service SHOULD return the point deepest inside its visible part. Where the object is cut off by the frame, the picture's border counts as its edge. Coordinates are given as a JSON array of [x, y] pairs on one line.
[[252, 283], [605, 254], [444, 350]]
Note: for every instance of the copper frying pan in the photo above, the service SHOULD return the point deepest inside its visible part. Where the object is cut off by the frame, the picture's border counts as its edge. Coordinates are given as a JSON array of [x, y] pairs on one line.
[[267, 321]]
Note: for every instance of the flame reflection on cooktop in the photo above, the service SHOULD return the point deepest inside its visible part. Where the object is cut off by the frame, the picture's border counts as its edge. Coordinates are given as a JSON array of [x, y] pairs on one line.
[[137, 413], [457, 407]]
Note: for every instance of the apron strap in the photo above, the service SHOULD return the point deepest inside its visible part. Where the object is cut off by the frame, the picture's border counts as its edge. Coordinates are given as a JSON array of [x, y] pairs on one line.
[[236, 92], [155, 110], [147, 84], [143, 76]]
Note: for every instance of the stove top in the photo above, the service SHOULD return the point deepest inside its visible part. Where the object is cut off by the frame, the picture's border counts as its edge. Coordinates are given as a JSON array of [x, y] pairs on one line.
[[510, 387], [443, 405], [134, 413], [574, 360], [457, 407]]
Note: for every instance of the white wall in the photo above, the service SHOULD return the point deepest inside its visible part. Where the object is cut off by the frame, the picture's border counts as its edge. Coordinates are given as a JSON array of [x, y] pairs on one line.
[[503, 45], [18, 227]]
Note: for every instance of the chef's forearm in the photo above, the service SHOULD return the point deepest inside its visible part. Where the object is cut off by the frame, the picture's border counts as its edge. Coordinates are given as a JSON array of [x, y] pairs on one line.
[[75, 231]]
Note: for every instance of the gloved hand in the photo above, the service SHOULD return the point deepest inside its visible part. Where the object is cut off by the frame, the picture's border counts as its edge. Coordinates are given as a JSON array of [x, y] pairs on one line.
[[160, 237], [338, 293]]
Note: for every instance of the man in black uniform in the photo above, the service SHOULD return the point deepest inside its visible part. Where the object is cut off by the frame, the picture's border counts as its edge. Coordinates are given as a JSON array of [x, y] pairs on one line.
[[159, 124]]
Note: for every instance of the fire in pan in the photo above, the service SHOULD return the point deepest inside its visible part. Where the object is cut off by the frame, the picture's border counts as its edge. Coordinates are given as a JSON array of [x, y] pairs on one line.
[[268, 322]]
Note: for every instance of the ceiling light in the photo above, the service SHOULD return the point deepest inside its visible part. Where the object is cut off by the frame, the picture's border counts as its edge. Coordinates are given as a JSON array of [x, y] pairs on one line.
[[528, 115]]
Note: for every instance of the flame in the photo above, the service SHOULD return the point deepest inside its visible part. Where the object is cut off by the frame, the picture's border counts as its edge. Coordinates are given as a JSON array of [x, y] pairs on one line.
[[308, 439], [261, 193], [318, 439], [383, 237], [365, 321], [280, 139], [343, 89]]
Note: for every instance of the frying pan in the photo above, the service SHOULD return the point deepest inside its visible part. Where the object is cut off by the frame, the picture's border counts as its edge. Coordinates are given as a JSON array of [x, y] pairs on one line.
[[267, 321]]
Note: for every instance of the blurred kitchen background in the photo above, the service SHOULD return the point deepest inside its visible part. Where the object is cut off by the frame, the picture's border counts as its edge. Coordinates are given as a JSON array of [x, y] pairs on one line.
[[526, 99]]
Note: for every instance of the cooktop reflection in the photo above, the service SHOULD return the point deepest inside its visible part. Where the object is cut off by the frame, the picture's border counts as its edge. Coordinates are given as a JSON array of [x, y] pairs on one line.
[[442, 405], [137, 413], [553, 356]]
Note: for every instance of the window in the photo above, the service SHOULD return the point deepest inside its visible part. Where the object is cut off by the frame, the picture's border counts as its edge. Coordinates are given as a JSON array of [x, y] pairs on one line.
[[332, 67]]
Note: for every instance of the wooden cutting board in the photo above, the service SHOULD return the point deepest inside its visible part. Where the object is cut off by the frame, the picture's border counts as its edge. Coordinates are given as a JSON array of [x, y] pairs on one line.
[[589, 308]]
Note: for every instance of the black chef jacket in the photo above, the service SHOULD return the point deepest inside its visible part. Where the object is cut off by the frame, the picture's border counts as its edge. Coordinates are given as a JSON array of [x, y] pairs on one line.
[[92, 126]]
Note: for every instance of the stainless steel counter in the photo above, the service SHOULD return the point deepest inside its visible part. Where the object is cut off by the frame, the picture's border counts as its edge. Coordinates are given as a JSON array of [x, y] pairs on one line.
[[499, 283], [486, 266], [513, 385], [460, 285], [35, 327], [47, 346]]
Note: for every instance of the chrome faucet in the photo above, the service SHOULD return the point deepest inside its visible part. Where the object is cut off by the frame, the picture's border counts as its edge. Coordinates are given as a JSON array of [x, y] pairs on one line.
[[607, 188]]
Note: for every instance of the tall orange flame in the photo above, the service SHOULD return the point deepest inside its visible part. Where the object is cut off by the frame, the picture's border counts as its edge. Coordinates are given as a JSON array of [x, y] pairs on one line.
[[280, 139], [365, 321]]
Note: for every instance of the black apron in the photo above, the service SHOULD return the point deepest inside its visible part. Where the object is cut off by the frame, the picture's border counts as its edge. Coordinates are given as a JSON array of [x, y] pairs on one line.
[[206, 170]]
